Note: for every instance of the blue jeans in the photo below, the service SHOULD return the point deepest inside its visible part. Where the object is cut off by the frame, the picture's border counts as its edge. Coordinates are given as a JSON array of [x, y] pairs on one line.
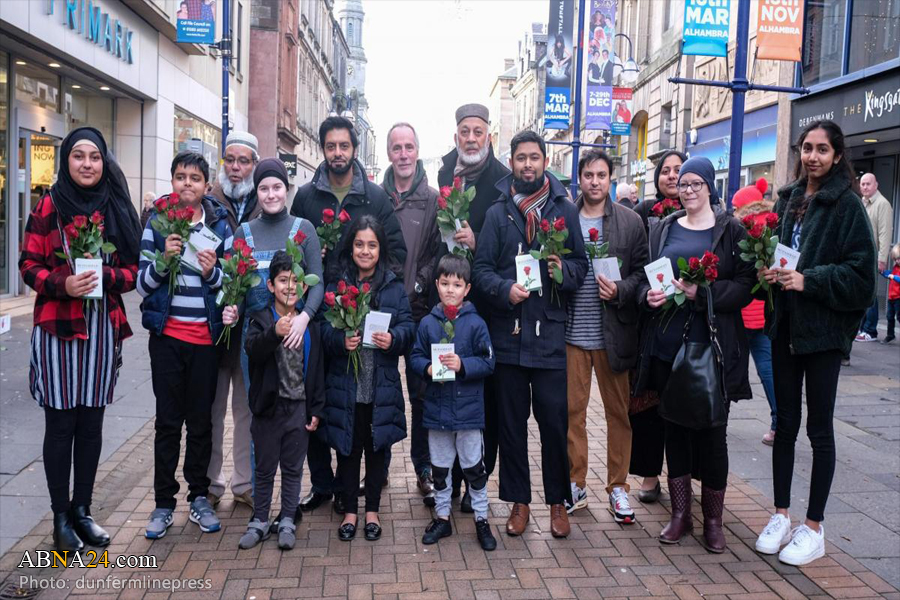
[[870, 321], [761, 351], [893, 314]]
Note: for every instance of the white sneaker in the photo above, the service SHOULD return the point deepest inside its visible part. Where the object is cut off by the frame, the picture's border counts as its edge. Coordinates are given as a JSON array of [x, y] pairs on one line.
[[776, 534], [806, 546], [864, 337], [619, 506], [579, 499]]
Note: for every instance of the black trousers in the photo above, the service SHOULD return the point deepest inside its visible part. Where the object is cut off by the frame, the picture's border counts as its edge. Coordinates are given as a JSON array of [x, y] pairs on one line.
[[702, 453], [491, 435], [184, 382], [349, 466], [648, 429], [418, 435], [821, 370], [279, 439], [517, 390], [80, 428]]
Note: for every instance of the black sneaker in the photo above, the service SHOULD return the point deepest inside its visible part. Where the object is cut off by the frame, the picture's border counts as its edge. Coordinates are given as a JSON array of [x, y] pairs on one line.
[[485, 536], [439, 528], [887, 340], [313, 501]]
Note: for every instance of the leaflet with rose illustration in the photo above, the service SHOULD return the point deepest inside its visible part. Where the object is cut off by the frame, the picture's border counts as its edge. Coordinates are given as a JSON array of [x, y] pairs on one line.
[[660, 275], [438, 371], [785, 258], [202, 239], [528, 272]]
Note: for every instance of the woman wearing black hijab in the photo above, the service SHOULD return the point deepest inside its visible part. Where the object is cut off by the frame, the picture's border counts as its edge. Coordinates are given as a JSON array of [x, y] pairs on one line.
[[76, 347]]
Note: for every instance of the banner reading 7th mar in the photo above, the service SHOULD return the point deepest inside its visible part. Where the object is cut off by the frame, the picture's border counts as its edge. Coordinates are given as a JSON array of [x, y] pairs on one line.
[[559, 64], [780, 30]]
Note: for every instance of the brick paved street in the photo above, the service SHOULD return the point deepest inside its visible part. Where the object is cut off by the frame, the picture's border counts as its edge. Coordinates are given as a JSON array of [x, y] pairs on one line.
[[599, 559]]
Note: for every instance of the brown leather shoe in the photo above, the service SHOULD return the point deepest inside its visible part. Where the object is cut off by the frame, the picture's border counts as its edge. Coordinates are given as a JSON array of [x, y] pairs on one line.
[[559, 521], [518, 519]]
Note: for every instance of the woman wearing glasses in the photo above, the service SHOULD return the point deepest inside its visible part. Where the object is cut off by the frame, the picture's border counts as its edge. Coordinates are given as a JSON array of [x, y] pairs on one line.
[[690, 233]]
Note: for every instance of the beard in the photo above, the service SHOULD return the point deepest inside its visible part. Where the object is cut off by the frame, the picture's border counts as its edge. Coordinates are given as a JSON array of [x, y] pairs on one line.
[[472, 159], [235, 190], [339, 170], [528, 187]]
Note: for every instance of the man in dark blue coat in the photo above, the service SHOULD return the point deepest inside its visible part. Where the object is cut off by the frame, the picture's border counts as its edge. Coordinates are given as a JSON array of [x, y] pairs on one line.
[[528, 328]]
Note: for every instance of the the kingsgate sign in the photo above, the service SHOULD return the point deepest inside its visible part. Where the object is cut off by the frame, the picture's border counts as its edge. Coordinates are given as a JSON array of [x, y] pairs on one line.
[[877, 105]]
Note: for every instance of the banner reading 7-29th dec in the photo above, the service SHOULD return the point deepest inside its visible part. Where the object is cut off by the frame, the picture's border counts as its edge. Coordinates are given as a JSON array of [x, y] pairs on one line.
[[559, 64]]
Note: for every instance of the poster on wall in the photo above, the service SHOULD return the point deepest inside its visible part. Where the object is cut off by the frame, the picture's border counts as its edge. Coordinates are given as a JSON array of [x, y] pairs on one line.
[[559, 65], [706, 27], [779, 30], [622, 104], [196, 21], [600, 63]]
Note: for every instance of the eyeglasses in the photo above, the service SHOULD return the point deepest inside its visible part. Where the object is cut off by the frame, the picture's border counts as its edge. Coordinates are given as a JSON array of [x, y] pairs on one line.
[[243, 161], [696, 186]]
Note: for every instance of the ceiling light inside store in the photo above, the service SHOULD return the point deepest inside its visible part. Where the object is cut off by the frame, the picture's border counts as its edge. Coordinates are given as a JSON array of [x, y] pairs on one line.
[[76, 87], [104, 88], [870, 141], [54, 65], [21, 63]]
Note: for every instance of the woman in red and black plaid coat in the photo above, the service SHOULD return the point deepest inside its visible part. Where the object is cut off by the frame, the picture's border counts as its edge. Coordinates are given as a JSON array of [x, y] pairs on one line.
[[76, 346]]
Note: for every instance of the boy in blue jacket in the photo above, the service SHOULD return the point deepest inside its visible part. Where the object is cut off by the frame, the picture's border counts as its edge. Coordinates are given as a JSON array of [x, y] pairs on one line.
[[454, 410]]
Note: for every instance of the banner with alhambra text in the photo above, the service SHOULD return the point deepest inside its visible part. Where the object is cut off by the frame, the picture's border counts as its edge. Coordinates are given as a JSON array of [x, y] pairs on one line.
[[779, 31]]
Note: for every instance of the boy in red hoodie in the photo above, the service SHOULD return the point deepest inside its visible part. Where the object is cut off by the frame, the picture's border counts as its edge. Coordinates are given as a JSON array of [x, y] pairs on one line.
[[893, 309]]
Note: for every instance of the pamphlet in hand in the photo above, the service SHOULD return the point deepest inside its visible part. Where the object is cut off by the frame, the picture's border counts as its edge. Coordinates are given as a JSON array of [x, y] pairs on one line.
[[438, 371], [452, 244], [608, 267], [376, 322], [660, 276], [202, 239], [785, 258], [528, 272], [95, 265]]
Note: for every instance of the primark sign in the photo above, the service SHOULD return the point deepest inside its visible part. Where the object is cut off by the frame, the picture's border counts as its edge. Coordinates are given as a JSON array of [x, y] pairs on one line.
[[100, 27]]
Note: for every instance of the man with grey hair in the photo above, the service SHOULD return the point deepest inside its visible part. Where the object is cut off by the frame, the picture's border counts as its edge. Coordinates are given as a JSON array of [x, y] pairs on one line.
[[625, 195], [236, 193], [881, 216], [415, 205]]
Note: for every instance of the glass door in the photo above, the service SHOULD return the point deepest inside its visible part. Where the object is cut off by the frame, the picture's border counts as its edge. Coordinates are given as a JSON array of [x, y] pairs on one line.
[[38, 165]]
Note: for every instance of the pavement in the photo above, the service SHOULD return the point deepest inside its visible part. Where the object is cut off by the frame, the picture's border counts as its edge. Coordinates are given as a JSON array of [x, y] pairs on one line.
[[599, 559]]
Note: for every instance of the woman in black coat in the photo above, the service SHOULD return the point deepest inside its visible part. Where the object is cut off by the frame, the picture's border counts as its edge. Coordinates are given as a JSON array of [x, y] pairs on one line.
[[365, 410], [686, 234]]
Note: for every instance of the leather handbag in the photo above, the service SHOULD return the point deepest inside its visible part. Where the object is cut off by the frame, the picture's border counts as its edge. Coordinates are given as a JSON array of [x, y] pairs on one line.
[[694, 396]]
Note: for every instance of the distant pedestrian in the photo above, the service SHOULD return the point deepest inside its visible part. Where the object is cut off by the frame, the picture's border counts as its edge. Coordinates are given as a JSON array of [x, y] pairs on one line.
[[893, 309], [881, 217], [625, 195]]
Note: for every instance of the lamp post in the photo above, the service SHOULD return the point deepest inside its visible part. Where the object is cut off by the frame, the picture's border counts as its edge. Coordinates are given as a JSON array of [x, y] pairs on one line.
[[629, 70]]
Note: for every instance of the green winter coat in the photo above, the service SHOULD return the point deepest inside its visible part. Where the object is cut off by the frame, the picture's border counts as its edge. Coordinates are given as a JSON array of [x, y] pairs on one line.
[[837, 261]]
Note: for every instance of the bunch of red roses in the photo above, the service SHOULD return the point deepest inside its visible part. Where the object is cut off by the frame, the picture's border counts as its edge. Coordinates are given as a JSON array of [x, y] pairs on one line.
[[239, 277], [665, 207], [759, 247], [170, 220], [329, 231], [453, 209], [347, 310], [84, 235], [702, 271], [553, 243]]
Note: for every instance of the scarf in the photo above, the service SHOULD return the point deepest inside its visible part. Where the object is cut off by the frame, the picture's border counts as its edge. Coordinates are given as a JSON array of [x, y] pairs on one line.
[[109, 196], [531, 207], [390, 185], [471, 172]]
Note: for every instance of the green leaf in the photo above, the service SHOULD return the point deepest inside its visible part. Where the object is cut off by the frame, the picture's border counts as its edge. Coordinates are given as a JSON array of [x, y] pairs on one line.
[[620, 262], [743, 245], [108, 247], [757, 247], [535, 254], [557, 275], [754, 288], [680, 298], [311, 280], [64, 256], [604, 248], [759, 265], [254, 280], [564, 251], [682, 263]]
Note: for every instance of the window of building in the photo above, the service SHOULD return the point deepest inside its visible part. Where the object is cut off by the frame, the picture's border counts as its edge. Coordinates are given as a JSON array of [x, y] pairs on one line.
[[350, 33], [37, 86], [824, 48], [874, 33], [85, 107], [188, 127], [238, 47], [671, 16]]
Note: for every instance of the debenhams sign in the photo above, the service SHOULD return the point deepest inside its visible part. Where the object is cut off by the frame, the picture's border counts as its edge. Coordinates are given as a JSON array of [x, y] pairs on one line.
[[101, 28]]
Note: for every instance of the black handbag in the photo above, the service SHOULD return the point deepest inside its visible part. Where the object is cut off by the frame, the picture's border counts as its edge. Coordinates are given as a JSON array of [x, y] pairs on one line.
[[694, 396]]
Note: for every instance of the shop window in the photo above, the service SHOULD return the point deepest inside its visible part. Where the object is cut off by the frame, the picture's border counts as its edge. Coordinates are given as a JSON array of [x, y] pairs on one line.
[[187, 128], [85, 107], [823, 57], [37, 86], [874, 33]]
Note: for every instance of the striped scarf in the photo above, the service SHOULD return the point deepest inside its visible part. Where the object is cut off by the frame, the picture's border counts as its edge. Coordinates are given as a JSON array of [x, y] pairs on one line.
[[531, 207]]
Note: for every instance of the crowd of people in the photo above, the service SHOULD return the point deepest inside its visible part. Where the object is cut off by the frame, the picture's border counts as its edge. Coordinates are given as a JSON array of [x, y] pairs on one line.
[[668, 360]]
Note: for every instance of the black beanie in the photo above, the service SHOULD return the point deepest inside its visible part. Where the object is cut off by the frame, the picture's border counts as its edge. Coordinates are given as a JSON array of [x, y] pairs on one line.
[[270, 167]]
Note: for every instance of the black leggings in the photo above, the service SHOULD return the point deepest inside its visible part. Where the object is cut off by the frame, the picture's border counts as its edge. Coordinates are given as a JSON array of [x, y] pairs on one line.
[[349, 466], [81, 427], [821, 370]]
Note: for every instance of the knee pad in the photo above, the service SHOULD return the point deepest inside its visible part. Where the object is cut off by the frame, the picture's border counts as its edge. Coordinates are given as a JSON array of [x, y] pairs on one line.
[[476, 475], [439, 474]]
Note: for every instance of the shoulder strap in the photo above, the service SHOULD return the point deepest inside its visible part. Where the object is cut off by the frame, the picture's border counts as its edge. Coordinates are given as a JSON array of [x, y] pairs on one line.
[[295, 227], [248, 235]]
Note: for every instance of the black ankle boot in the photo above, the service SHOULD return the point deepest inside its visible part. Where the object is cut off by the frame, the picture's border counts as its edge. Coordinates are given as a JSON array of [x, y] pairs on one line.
[[87, 528], [64, 535]]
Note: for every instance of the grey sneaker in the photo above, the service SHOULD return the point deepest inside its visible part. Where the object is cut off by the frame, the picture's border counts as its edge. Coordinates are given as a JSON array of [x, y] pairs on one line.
[[203, 514], [257, 531], [579, 499], [160, 520], [287, 534]]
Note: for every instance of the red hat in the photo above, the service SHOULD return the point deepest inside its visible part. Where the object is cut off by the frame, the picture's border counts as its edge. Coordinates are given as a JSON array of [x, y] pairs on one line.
[[751, 193]]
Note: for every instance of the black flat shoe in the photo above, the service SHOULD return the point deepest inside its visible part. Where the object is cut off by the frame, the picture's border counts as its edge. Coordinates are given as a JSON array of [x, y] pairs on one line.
[[313, 501], [64, 536], [372, 531], [347, 532], [87, 529], [339, 506], [650, 496]]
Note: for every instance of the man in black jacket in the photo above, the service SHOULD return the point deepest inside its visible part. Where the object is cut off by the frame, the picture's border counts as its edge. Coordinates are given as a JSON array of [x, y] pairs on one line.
[[340, 183], [528, 329]]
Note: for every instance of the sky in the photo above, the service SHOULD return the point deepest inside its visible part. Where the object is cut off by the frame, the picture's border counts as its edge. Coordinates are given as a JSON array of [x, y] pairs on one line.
[[427, 57]]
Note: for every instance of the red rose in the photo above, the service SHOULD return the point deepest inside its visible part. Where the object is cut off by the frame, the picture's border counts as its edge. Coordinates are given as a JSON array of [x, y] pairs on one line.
[[527, 271], [771, 220], [442, 203], [72, 232], [227, 256], [300, 237], [711, 273], [457, 183], [659, 277], [170, 215], [352, 303], [96, 218], [342, 287], [174, 198], [658, 209], [344, 217], [101, 228], [709, 259], [748, 221], [757, 229], [188, 213], [161, 205], [80, 221], [559, 224], [783, 262], [594, 234], [446, 191], [545, 226], [366, 288], [328, 216], [241, 268], [345, 301], [329, 299], [246, 252], [353, 291], [451, 312], [694, 263]]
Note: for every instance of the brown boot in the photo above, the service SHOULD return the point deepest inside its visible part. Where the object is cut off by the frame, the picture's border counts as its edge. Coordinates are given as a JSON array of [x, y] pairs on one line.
[[559, 521], [518, 519], [713, 503], [680, 524]]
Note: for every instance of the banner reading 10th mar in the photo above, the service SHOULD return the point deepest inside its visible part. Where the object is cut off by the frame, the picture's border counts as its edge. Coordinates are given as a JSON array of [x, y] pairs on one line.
[[706, 27]]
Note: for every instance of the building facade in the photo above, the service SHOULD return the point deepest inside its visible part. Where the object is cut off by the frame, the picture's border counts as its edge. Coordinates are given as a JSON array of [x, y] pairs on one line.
[[113, 65], [502, 109], [527, 90]]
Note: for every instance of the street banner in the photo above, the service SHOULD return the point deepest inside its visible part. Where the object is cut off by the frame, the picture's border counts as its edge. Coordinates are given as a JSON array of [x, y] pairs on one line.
[[706, 27], [559, 64], [779, 33], [196, 22], [600, 63], [621, 111]]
